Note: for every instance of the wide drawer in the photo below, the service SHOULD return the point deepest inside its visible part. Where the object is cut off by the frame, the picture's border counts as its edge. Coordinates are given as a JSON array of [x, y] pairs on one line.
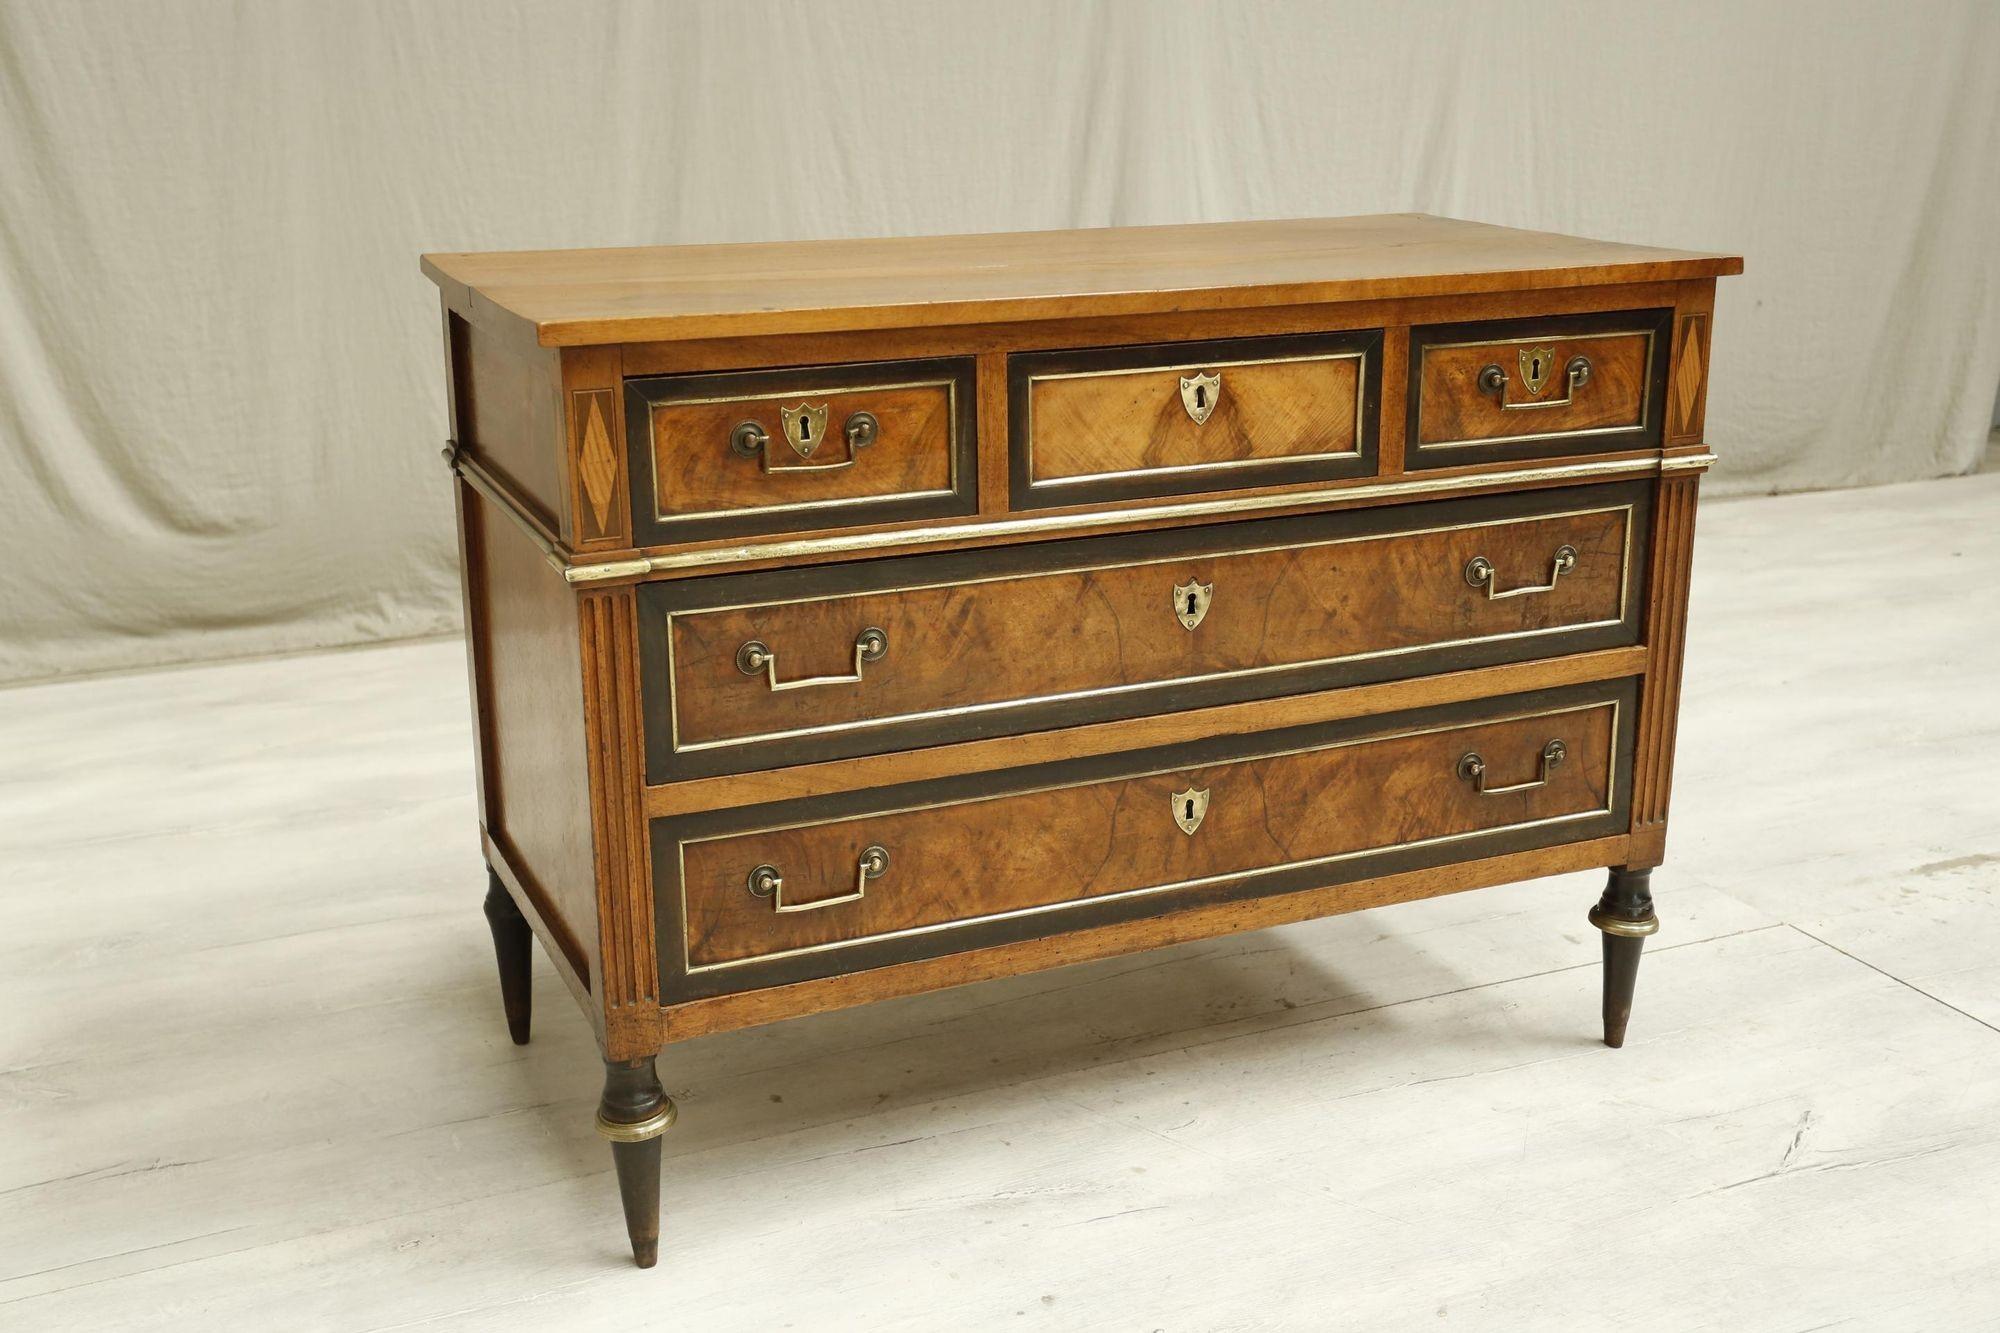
[[805, 888], [1097, 424], [1535, 388], [814, 447], [761, 670]]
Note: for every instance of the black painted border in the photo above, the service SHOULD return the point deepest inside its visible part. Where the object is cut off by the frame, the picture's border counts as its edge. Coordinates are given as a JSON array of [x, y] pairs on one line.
[[1022, 367], [1646, 435], [678, 984], [657, 600], [643, 394]]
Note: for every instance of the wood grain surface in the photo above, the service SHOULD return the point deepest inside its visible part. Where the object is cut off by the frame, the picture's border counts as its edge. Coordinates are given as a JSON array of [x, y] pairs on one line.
[[1133, 733], [1076, 842], [538, 806], [508, 413], [1666, 643], [695, 471], [1453, 407], [571, 297], [1037, 636], [1092, 424]]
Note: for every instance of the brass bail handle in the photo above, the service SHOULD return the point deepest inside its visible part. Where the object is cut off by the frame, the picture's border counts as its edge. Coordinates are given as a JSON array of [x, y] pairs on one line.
[[870, 645], [766, 882], [751, 440], [1493, 380], [1480, 573], [1472, 768]]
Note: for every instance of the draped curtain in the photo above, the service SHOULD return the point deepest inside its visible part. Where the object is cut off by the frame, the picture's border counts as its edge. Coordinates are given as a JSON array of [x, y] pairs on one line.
[[221, 388]]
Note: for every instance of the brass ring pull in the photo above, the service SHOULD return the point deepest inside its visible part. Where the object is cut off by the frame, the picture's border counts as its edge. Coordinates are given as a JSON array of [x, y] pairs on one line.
[[804, 428], [1480, 573], [1493, 380], [1472, 768], [766, 882], [870, 645]]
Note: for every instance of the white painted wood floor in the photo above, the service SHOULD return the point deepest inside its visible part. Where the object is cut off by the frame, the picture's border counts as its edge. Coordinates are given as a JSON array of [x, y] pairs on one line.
[[253, 1073]]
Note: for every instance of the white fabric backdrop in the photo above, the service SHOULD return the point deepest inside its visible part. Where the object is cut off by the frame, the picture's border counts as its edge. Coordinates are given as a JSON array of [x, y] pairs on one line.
[[220, 392]]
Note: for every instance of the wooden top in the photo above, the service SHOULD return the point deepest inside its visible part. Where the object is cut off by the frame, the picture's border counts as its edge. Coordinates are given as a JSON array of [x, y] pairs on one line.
[[673, 292]]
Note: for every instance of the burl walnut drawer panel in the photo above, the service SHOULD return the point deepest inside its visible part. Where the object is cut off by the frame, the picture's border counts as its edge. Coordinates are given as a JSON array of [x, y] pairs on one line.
[[805, 888], [1170, 418], [760, 670], [1534, 388], [782, 450]]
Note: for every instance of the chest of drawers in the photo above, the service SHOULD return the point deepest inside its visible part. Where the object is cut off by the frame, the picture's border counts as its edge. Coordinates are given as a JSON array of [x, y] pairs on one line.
[[850, 619]]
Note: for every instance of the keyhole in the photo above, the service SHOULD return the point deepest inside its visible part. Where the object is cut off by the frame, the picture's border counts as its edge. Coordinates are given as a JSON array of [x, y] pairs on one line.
[[1190, 606], [1201, 395], [1189, 813], [805, 429]]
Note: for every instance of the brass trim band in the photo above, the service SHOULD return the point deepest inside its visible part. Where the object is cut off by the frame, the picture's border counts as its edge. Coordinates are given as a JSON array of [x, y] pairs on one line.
[[871, 542], [1624, 927], [638, 1131]]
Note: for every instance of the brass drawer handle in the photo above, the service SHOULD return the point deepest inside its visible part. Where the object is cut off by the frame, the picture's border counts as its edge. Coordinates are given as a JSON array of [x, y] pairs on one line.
[[1472, 768], [805, 429], [766, 882], [1535, 365], [870, 645], [1479, 572], [1199, 395]]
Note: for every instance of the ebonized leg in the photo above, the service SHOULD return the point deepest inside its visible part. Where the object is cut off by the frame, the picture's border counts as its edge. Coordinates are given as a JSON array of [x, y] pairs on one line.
[[634, 1113], [510, 946], [1625, 915]]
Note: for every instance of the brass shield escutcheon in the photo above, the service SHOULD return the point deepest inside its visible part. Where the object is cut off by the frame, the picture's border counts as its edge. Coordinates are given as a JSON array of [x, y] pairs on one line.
[[1198, 395], [1191, 601], [805, 427], [1536, 363], [1189, 807]]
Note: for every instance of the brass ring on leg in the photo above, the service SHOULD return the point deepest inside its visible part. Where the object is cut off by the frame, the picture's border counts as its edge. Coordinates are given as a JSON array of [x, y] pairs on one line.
[[1622, 925], [638, 1131]]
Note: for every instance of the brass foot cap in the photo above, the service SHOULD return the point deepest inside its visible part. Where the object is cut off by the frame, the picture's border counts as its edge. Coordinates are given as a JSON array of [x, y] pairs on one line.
[[1622, 925], [638, 1131]]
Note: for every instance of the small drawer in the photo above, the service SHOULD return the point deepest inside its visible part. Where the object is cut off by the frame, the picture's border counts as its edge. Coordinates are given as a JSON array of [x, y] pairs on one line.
[[1173, 418], [762, 670], [784, 450], [1536, 388], [773, 894]]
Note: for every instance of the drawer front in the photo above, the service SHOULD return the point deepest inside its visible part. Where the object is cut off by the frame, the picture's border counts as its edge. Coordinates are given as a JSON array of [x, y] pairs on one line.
[[1172, 418], [785, 450], [807, 888], [1536, 388], [763, 670]]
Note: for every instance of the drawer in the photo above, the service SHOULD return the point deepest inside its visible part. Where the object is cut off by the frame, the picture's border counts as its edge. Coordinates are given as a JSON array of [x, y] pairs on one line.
[[761, 670], [805, 888], [1536, 388], [1171, 418], [784, 450]]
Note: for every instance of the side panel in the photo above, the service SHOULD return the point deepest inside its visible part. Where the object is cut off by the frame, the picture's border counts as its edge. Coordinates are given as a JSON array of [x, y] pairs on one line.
[[525, 634], [507, 411]]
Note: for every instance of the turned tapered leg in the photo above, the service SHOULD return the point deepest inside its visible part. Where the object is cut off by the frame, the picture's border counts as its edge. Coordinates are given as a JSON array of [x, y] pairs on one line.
[[510, 946], [634, 1113], [1625, 915]]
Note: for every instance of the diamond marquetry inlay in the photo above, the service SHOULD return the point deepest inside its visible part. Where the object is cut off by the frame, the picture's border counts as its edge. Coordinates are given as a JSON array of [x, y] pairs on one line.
[[599, 467], [1687, 378]]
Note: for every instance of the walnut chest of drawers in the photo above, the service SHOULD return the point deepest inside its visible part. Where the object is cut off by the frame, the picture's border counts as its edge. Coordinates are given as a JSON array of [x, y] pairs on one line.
[[856, 618]]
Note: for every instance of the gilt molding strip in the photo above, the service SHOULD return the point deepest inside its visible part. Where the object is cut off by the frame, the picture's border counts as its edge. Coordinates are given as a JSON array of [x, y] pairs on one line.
[[887, 542], [910, 538]]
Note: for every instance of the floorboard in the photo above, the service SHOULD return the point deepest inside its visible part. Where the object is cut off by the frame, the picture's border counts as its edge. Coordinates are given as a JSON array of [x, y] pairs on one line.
[[253, 1072]]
